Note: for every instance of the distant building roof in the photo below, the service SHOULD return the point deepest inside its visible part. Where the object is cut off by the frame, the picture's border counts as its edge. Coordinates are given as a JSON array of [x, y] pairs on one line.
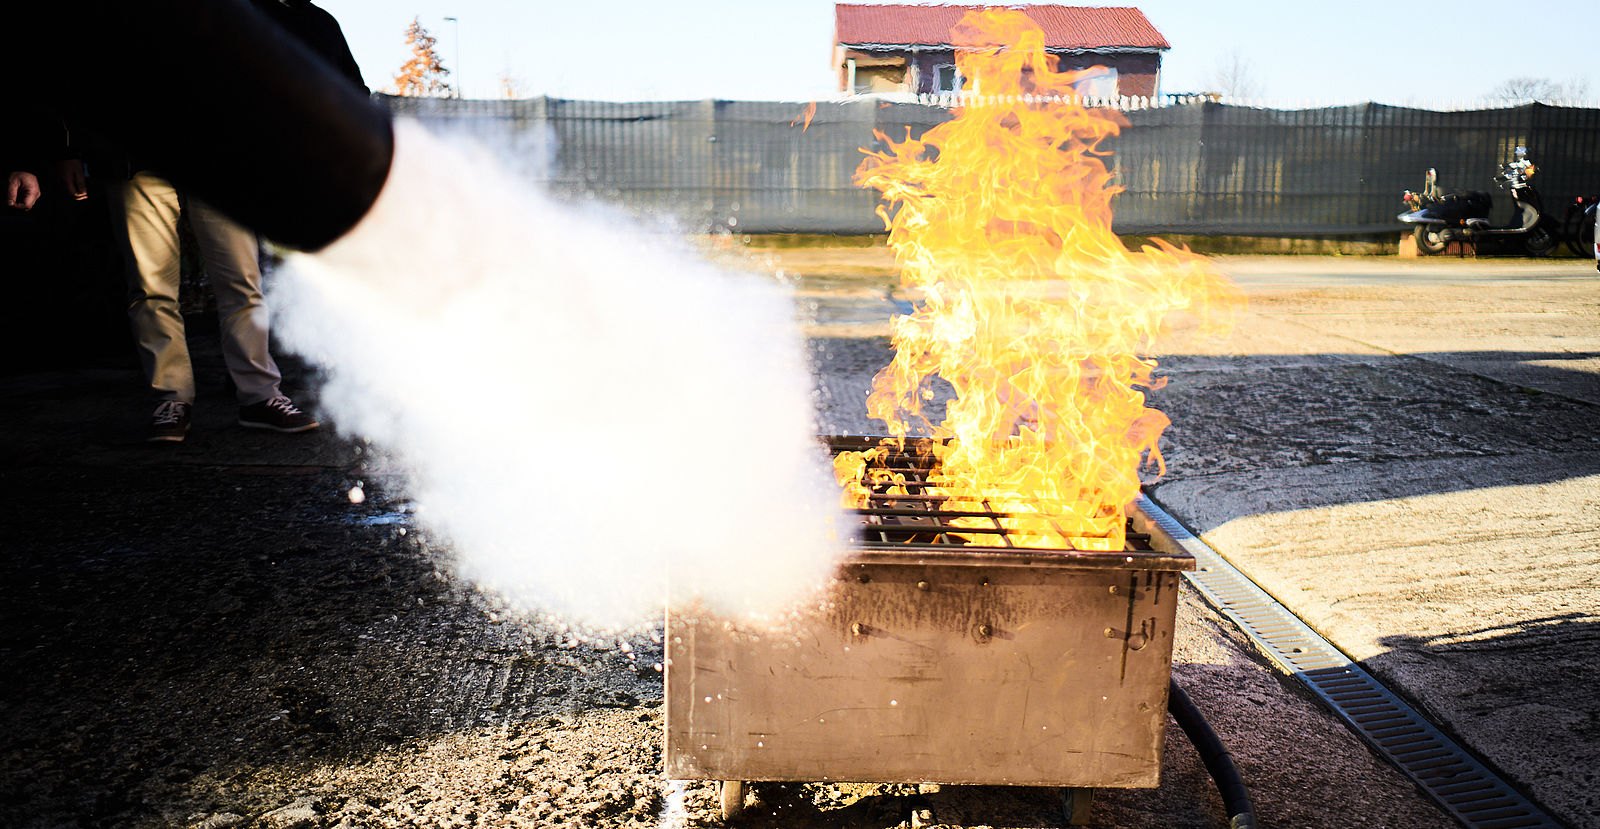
[[1071, 28]]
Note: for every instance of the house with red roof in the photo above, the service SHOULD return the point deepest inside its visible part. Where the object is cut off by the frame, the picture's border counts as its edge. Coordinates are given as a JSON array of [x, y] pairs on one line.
[[882, 49]]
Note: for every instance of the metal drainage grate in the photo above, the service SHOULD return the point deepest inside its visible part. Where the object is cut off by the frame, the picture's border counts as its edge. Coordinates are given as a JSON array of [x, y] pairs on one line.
[[1472, 793]]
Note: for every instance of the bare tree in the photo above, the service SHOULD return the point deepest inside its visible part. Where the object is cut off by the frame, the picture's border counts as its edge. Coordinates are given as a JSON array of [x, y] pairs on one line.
[[1574, 90], [1521, 89], [1234, 76], [424, 72]]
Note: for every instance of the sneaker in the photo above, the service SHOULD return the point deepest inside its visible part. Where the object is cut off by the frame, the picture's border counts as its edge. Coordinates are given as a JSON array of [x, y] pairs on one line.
[[278, 414], [169, 423]]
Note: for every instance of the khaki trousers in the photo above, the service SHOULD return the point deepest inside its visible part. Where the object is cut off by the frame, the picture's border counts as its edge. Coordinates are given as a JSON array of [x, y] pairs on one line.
[[149, 209]]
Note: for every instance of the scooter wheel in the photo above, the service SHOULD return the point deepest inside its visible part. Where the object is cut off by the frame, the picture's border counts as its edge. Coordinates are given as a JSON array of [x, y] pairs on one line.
[[1582, 242], [1430, 239], [1540, 241]]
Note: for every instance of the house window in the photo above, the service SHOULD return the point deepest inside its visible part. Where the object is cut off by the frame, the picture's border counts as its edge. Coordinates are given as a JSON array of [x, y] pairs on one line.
[[1102, 84], [946, 78]]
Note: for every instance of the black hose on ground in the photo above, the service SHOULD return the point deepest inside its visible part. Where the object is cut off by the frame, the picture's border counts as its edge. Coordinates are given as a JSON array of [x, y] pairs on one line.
[[1235, 798]]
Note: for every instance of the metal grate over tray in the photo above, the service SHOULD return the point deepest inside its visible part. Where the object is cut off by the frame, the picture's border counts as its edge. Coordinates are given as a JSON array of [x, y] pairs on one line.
[[916, 522]]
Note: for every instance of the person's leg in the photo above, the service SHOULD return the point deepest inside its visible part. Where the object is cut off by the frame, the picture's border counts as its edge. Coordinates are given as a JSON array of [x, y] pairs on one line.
[[149, 211], [229, 252]]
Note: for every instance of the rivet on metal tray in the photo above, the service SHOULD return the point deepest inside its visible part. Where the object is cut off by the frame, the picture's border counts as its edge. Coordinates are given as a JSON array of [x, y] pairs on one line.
[[863, 578], [985, 631], [924, 586], [1137, 641], [858, 629], [1114, 590], [1111, 633]]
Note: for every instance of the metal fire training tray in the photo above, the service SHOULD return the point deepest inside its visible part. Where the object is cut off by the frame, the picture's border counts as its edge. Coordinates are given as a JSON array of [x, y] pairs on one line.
[[930, 659]]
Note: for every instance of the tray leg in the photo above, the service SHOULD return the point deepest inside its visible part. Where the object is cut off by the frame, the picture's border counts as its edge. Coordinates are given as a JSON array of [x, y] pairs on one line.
[[731, 795], [1076, 804]]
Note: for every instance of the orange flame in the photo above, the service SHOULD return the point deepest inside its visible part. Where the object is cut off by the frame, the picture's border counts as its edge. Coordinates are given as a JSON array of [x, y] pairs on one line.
[[806, 114], [1033, 311]]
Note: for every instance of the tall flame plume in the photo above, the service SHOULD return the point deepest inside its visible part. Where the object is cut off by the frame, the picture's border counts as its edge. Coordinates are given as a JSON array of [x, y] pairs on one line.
[[1031, 309]]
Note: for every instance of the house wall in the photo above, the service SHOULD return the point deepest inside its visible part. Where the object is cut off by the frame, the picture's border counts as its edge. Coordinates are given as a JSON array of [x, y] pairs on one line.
[[876, 71], [1136, 73], [925, 62], [880, 79]]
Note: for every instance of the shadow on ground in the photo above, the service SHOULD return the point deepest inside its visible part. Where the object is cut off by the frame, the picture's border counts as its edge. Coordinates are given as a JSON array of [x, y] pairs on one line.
[[168, 621], [1528, 686]]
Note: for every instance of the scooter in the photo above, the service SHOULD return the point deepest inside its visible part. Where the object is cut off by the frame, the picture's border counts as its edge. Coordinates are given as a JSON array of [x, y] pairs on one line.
[[1577, 227], [1441, 218]]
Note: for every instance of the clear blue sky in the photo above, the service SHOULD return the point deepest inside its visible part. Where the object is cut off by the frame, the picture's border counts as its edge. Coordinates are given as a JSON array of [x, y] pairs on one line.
[[1351, 50]]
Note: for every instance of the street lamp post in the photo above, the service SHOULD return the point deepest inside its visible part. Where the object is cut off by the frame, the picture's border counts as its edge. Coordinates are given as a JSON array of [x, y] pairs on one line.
[[455, 27]]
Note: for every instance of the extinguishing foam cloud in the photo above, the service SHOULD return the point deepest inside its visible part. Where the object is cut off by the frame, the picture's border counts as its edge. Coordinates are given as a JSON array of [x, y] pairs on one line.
[[592, 416]]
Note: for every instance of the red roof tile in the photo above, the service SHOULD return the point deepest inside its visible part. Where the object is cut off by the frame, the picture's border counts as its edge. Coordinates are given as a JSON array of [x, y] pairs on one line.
[[1065, 27]]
